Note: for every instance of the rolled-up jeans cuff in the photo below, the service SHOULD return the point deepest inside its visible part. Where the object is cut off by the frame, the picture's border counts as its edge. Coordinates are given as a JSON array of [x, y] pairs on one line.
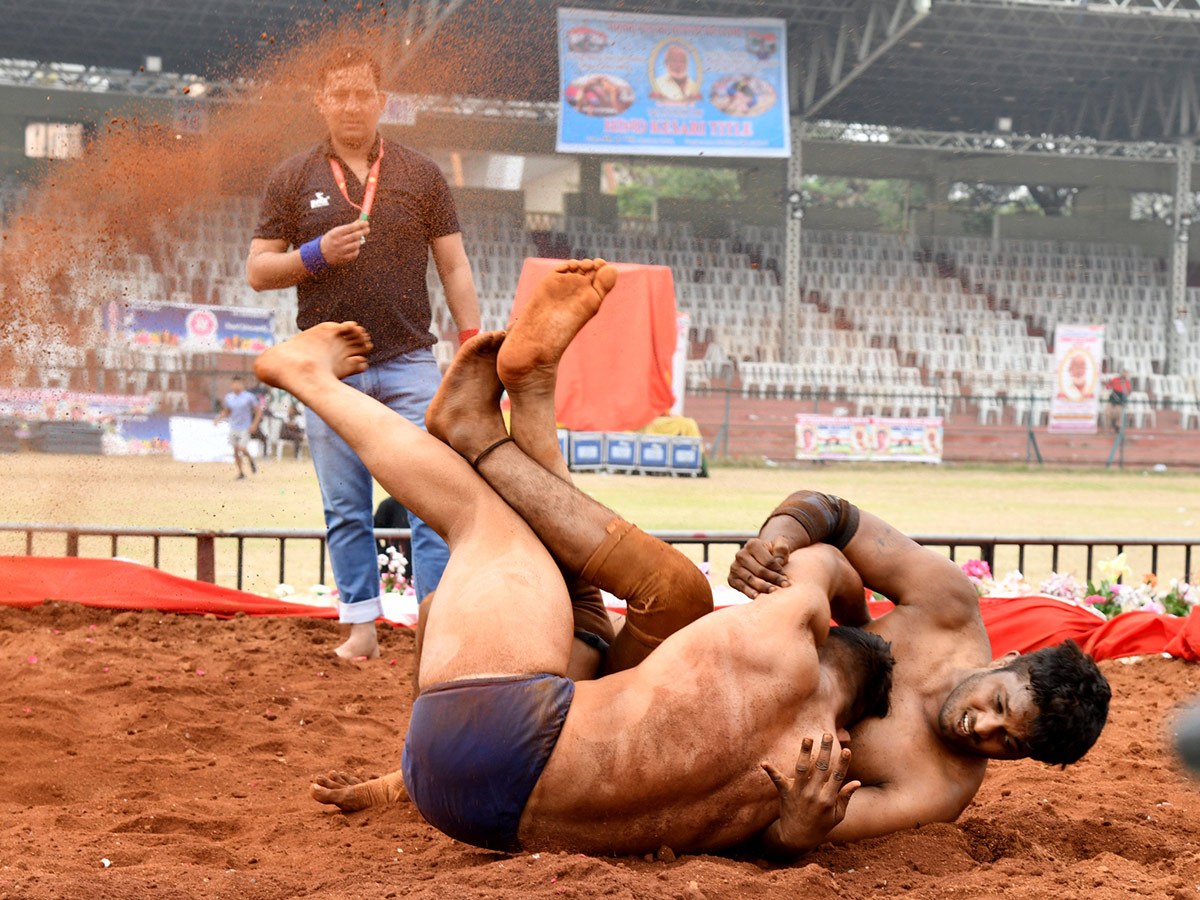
[[361, 612]]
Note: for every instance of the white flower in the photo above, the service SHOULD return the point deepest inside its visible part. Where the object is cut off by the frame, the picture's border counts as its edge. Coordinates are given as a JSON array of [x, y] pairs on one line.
[[283, 590], [383, 560]]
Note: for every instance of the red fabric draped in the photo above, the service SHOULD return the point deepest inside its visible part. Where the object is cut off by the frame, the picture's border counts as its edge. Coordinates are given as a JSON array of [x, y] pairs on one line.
[[616, 375], [115, 584], [1019, 623], [1030, 623]]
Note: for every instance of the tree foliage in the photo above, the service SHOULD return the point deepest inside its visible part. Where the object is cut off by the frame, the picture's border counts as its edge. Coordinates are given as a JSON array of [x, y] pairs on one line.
[[637, 187]]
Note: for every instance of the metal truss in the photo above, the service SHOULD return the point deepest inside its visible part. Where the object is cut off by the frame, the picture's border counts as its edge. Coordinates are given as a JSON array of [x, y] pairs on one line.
[[1188, 9], [991, 143], [1166, 105], [419, 22], [836, 54]]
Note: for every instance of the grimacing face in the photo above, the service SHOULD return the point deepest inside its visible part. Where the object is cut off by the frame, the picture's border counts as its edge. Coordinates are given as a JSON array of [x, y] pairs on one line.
[[351, 103], [990, 714]]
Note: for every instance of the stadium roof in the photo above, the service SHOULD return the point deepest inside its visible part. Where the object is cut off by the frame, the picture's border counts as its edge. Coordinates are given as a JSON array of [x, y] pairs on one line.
[[1110, 69]]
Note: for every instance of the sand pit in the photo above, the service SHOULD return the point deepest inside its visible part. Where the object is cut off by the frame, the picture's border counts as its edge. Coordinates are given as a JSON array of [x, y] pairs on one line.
[[152, 755]]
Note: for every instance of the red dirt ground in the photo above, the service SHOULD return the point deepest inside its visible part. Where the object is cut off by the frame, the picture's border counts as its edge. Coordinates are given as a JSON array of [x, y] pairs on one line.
[[179, 749]]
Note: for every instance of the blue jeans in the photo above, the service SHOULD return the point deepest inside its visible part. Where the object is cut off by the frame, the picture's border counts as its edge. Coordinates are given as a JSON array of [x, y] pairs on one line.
[[405, 384]]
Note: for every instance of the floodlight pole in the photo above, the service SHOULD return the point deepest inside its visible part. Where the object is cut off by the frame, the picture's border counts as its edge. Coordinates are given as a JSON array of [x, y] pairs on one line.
[[793, 276], [1181, 225]]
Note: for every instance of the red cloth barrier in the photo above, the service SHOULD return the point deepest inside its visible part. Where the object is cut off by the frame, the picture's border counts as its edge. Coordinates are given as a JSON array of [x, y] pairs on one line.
[[115, 584], [1018, 623], [1031, 623], [616, 375]]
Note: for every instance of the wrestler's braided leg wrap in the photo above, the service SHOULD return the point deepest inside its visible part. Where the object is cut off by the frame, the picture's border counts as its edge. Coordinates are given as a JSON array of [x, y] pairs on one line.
[[826, 518], [663, 589]]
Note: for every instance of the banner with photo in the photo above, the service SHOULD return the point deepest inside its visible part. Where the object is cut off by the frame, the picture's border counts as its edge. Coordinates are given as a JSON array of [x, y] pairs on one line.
[[672, 85], [53, 405], [869, 438], [193, 327], [1078, 356]]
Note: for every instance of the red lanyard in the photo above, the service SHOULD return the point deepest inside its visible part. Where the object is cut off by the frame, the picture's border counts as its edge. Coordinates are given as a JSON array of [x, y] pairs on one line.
[[372, 182]]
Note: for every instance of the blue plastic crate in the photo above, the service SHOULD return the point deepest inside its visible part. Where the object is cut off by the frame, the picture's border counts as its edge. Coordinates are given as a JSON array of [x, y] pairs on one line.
[[687, 456], [587, 451], [654, 453], [620, 452]]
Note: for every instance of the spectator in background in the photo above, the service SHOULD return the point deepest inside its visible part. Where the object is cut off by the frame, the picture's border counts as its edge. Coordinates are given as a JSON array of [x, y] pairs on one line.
[[350, 224], [244, 413], [292, 430], [1119, 387]]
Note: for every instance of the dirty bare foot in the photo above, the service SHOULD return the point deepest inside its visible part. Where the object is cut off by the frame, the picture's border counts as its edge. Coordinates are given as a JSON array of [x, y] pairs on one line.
[[465, 412], [333, 349], [351, 794], [361, 643], [562, 303]]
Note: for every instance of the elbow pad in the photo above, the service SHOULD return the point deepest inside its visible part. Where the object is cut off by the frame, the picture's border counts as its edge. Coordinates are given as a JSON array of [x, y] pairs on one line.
[[826, 518]]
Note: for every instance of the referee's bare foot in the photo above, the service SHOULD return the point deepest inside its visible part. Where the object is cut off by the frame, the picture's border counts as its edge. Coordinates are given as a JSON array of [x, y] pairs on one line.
[[561, 304], [465, 411], [362, 643], [334, 349]]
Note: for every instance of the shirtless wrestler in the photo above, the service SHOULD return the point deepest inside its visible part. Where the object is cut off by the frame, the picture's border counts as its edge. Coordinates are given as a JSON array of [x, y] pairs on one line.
[[502, 750], [952, 706]]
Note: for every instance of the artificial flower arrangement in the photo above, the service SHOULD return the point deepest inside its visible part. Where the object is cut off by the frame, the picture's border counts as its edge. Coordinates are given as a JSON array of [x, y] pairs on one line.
[[392, 564], [1112, 595]]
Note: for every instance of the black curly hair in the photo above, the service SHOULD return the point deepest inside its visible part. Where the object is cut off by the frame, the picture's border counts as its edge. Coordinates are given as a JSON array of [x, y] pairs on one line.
[[1072, 698], [873, 657]]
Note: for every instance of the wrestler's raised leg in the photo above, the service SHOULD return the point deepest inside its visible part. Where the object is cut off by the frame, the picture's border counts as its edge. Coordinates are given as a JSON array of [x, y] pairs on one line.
[[478, 387], [561, 304], [501, 606], [665, 590]]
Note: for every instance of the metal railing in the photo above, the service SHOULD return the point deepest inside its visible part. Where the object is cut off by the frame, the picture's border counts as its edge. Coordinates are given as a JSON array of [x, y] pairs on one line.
[[992, 549]]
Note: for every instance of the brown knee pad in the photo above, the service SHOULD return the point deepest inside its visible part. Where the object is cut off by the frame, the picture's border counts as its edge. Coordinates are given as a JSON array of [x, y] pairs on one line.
[[592, 624], [663, 589]]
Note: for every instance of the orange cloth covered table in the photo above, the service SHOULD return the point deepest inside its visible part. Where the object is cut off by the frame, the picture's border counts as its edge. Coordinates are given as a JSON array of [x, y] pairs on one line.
[[616, 375]]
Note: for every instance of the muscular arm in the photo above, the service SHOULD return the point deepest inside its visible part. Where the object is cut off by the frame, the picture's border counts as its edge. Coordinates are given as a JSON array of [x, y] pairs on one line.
[[454, 269], [875, 811], [888, 561]]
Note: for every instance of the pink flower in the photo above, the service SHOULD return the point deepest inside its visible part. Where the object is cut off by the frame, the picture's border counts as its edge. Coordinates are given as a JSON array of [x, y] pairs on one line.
[[977, 569], [1092, 599]]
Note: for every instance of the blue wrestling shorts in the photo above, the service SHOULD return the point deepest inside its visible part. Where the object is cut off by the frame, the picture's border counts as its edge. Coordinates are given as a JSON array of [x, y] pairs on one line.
[[476, 748]]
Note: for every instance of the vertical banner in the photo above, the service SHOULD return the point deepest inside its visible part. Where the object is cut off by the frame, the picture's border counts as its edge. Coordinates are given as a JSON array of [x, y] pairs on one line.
[[672, 85], [1078, 353]]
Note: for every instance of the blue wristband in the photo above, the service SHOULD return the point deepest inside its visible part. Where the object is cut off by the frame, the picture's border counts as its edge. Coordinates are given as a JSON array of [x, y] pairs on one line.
[[311, 256]]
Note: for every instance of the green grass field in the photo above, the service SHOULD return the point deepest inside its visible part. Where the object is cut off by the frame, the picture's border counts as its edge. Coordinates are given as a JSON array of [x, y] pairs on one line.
[[946, 500]]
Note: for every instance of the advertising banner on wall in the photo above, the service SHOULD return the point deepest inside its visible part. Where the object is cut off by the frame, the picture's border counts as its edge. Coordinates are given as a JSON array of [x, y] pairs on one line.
[[52, 405], [193, 327], [1078, 355], [869, 438], [672, 85]]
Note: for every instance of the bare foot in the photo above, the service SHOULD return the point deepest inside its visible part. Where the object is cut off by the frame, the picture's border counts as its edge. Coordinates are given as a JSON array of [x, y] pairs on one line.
[[350, 794], [331, 348], [562, 303], [465, 412], [362, 643]]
